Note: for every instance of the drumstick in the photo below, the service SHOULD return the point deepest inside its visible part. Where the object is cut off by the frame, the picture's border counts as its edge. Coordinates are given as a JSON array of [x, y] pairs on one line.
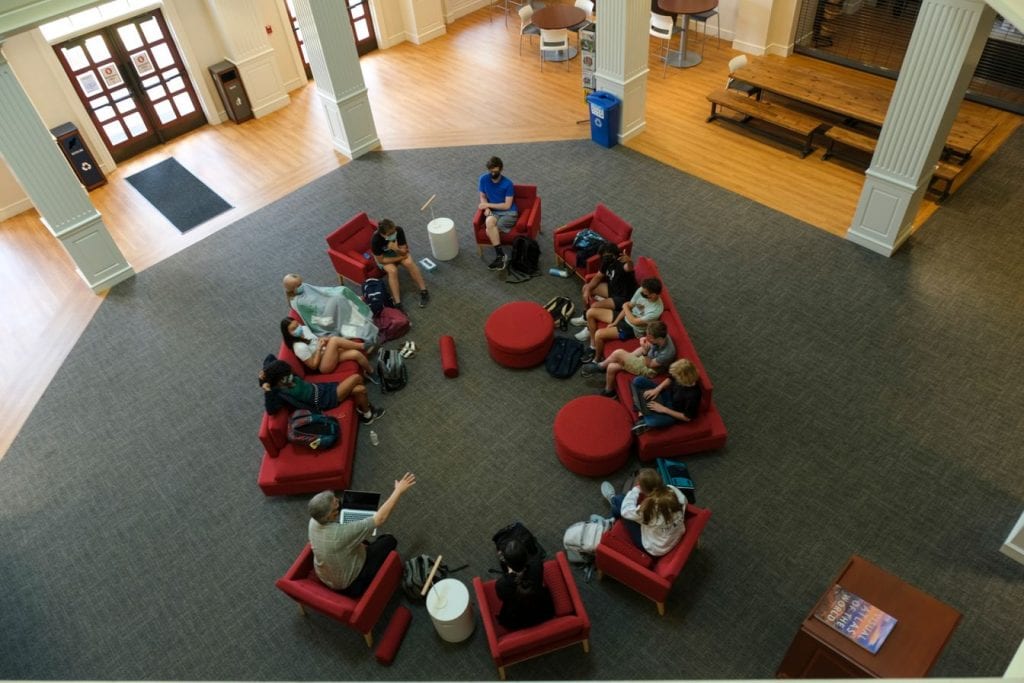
[[428, 202], [433, 570]]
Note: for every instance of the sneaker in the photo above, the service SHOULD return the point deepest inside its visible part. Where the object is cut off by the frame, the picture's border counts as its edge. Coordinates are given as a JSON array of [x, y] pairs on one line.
[[640, 427], [588, 355], [375, 414], [398, 306], [608, 393], [409, 350], [580, 321], [424, 298], [607, 490], [498, 263], [590, 368], [583, 335]]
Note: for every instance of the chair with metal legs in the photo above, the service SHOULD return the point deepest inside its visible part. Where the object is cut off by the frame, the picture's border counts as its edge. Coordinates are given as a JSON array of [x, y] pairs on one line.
[[663, 27], [703, 18], [554, 40]]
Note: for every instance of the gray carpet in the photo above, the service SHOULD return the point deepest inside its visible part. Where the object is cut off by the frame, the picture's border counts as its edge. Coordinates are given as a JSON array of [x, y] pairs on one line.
[[873, 407]]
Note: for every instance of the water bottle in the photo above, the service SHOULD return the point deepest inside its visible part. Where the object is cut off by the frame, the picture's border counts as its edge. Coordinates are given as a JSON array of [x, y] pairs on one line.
[[558, 272], [373, 438]]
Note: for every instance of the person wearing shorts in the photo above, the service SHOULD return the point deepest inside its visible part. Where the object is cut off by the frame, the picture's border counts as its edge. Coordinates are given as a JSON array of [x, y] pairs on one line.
[[391, 250], [645, 305], [605, 293], [655, 353], [497, 201]]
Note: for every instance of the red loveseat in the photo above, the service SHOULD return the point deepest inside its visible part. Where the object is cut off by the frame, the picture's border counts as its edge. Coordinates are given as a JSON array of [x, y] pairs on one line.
[[301, 584], [602, 221], [527, 225], [652, 577], [706, 432], [569, 626], [349, 250], [287, 469]]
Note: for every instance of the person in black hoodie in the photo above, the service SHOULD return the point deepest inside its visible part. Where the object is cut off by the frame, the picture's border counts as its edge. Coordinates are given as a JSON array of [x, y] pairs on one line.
[[525, 600]]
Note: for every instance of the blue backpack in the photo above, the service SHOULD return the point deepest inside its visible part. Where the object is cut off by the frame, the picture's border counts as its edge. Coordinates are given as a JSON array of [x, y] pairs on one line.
[[376, 294], [313, 430], [586, 244]]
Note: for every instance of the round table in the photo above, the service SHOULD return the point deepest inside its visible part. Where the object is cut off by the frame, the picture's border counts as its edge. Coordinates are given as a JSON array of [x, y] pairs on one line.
[[553, 17], [593, 435], [683, 58], [519, 334], [450, 610], [444, 241]]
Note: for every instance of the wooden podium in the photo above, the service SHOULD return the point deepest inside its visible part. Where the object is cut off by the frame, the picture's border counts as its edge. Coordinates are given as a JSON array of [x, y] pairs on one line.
[[923, 628]]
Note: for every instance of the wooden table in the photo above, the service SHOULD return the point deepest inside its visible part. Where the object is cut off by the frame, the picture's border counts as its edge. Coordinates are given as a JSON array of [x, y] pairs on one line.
[[856, 95], [924, 626], [552, 17], [684, 59]]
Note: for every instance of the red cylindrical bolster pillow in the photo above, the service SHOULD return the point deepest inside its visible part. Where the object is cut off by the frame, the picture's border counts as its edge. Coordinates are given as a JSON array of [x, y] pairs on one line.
[[449, 360], [393, 635]]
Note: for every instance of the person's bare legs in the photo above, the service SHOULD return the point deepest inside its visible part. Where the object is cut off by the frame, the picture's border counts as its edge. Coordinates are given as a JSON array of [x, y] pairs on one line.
[[396, 293], [414, 272], [353, 386], [603, 335], [491, 228], [339, 349], [595, 315], [612, 365]]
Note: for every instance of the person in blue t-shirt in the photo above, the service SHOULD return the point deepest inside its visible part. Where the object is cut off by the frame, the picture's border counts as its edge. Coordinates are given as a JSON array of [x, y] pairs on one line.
[[497, 199]]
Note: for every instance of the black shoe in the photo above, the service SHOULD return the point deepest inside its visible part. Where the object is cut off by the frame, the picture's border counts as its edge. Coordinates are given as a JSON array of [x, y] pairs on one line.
[[398, 306], [608, 393], [640, 427], [589, 369], [424, 298], [498, 263], [588, 356], [375, 414]]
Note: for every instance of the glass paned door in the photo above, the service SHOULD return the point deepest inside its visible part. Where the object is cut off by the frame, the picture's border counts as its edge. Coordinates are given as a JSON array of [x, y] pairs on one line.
[[133, 83], [362, 25], [299, 40]]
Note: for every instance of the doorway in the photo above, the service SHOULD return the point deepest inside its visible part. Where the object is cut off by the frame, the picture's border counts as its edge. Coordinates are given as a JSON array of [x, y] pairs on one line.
[[132, 81], [362, 26]]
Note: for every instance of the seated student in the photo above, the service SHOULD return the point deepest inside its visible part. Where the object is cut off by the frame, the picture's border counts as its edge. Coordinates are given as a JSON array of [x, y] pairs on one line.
[[322, 354], [646, 480], [497, 201], [343, 556], [656, 510], [390, 250], [655, 352], [281, 387], [645, 305], [525, 600], [610, 288], [677, 398]]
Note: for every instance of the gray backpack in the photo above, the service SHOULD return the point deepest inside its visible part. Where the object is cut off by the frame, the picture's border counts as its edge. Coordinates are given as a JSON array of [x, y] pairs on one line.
[[581, 539]]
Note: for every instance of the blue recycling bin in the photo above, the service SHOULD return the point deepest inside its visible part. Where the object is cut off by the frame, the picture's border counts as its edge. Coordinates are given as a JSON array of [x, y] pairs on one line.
[[605, 111]]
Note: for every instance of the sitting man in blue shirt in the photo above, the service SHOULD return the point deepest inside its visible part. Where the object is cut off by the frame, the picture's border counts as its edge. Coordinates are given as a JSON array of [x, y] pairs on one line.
[[497, 199]]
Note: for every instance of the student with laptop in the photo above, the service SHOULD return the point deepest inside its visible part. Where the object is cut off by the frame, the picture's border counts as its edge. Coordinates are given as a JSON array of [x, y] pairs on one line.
[[677, 398], [343, 556]]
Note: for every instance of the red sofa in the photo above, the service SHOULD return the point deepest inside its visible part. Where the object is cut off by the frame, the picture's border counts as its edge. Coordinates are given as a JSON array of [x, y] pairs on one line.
[[652, 577], [287, 469], [301, 584], [349, 250], [705, 433], [602, 221], [528, 224], [569, 626]]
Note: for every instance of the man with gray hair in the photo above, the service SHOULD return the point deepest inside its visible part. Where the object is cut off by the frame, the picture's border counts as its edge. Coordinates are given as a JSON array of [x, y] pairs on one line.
[[342, 556]]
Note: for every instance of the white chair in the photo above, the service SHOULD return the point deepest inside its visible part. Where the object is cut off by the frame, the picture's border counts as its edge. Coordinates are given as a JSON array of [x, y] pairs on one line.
[[503, 6], [554, 40], [663, 27], [703, 18], [588, 7], [526, 27], [735, 64]]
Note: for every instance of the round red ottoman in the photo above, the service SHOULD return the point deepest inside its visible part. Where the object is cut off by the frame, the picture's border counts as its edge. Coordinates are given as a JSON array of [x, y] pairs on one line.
[[593, 435], [519, 334]]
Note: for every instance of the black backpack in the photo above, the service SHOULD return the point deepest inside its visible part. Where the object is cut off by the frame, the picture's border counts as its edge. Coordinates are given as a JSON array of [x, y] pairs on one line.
[[586, 244], [564, 358], [517, 531], [525, 261], [376, 294], [415, 573], [391, 370], [561, 309], [313, 430]]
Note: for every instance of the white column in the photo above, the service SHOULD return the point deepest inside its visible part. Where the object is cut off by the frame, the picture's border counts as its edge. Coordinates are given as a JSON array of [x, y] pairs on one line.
[[248, 48], [944, 50], [622, 43], [338, 76], [423, 19], [62, 202]]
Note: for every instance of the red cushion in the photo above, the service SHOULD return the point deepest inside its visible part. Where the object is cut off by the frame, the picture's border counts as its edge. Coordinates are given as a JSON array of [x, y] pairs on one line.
[[393, 635], [555, 582], [449, 358], [593, 426], [617, 538], [519, 327]]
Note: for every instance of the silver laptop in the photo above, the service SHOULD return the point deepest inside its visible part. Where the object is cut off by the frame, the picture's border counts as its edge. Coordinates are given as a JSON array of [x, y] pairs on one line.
[[357, 505]]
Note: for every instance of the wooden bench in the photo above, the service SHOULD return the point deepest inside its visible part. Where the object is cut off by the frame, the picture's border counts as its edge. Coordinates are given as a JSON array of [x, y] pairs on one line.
[[801, 124], [849, 138], [945, 174]]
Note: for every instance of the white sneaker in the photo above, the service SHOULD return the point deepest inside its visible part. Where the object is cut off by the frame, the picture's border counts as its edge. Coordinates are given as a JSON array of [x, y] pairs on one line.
[[607, 490], [581, 321], [583, 335]]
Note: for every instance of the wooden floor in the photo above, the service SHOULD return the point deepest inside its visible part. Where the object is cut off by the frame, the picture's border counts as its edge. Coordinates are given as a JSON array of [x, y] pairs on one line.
[[422, 96]]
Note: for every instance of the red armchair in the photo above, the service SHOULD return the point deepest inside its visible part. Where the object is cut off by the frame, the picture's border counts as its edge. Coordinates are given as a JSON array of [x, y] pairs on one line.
[[569, 626], [602, 221], [349, 250], [650, 576], [301, 584], [528, 224]]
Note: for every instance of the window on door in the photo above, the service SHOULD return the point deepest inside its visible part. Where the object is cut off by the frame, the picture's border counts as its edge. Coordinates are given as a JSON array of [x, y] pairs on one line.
[[362, 29]]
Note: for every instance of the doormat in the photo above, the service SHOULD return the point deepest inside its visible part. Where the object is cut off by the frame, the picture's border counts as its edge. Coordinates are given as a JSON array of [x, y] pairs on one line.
[[181, 197]]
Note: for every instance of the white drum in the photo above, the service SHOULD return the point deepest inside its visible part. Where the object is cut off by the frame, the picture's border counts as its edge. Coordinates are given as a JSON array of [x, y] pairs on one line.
[[450, 610], [444, 241]]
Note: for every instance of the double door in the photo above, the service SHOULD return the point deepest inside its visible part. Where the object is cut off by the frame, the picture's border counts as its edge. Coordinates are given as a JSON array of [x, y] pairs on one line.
[[133, 83]]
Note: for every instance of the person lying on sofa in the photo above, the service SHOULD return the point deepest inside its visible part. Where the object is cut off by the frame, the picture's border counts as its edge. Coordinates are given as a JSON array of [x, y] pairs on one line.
[[610, 288], [282, 388], [645, 305], [343, 557], [655, 352], [323, 354], [330, 310], [525, 600], [676, 398], [653, 513]]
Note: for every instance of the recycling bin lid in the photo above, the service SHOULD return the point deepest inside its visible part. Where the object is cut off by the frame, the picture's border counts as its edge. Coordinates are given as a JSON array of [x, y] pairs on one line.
[[602, 98]]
